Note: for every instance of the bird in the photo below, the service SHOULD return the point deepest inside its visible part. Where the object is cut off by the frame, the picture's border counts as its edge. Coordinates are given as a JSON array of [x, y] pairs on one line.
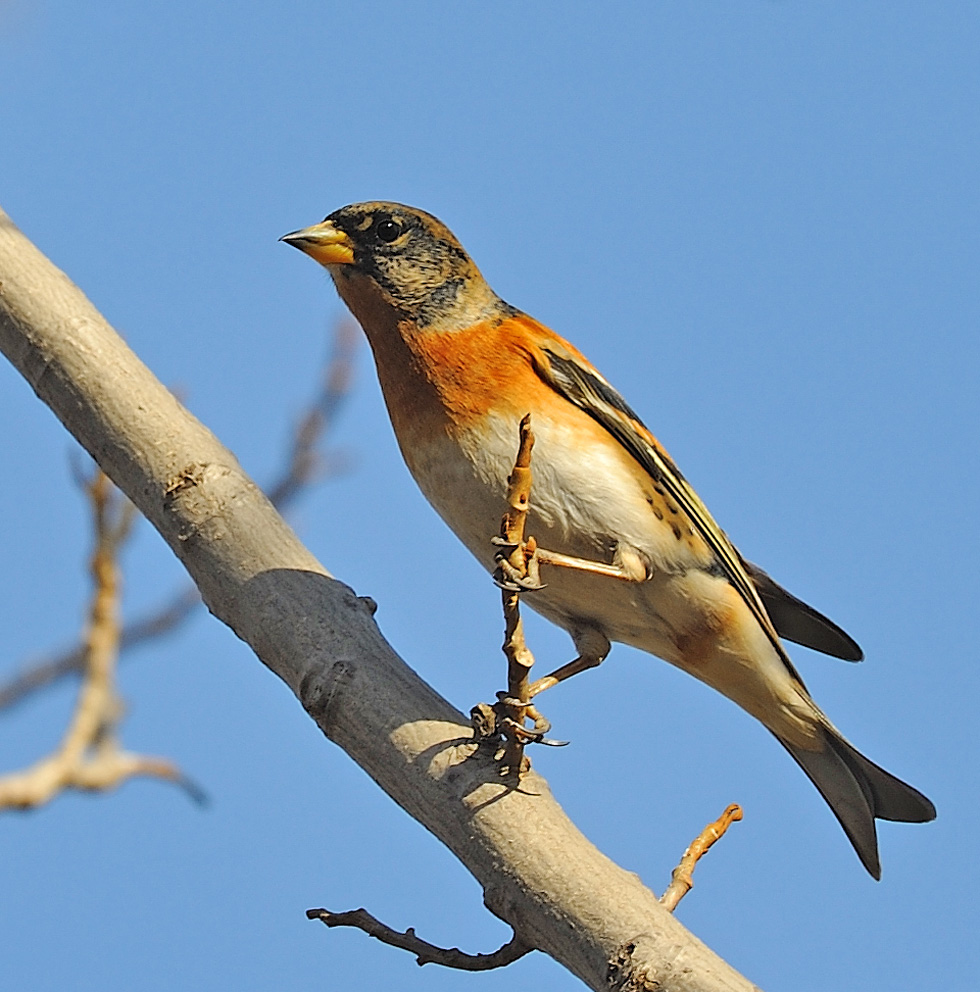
[[647, 564]]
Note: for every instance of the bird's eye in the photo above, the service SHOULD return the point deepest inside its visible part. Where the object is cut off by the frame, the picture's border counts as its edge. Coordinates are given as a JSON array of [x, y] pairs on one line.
[[387, 230]]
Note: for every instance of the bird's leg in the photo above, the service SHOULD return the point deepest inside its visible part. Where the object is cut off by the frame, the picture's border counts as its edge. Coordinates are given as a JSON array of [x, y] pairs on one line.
[[518, 564], [628, 565], [518, 571], [593, 647]]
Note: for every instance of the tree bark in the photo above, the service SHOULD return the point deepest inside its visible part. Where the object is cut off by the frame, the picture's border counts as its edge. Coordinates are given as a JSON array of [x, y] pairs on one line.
[[539, 874]]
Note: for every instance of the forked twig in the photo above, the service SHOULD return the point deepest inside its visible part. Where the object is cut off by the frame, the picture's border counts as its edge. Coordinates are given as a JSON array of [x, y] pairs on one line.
[[425, 953], [682, 878], [89, 756]]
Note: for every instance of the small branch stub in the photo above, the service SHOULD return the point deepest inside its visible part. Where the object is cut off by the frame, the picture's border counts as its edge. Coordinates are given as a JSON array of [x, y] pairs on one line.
[[682, 878], [519, 493]]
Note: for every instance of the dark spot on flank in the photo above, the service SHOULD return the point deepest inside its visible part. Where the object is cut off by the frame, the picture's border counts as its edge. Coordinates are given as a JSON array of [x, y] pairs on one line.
[[676, 530]]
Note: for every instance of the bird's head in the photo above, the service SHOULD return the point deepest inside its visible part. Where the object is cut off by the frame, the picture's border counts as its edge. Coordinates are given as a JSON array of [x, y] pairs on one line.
[[402, 258]]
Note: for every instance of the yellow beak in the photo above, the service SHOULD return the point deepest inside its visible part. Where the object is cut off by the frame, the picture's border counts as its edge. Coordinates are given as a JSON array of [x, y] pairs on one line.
[[323, 242]]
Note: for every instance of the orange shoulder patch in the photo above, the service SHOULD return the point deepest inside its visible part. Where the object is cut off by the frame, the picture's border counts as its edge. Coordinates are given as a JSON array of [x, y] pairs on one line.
[[489, 366]]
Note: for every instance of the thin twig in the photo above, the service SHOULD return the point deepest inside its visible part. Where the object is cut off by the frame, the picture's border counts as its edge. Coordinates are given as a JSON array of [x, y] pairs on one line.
[[89, 756], [517, 572], [154, 623], [302, 470], [519, 656], [304, 465], [682, 878], [425, 953]]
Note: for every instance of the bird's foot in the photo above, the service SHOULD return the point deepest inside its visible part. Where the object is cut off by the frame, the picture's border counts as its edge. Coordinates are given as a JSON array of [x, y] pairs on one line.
[[512, 578], [508, 718], [527, 712]]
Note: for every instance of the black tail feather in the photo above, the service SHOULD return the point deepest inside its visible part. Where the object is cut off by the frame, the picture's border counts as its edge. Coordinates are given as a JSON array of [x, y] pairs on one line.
[[859, 791]]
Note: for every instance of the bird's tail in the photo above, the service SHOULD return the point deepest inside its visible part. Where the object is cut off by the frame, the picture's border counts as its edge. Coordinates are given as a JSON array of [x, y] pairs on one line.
[[858, 792]]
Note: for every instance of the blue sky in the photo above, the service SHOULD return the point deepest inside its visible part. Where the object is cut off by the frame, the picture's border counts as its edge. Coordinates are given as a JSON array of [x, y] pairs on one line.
[[759, 220]]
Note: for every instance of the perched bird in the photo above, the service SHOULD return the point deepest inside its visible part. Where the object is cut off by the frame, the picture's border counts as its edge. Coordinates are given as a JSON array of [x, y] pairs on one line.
[[648, 565]]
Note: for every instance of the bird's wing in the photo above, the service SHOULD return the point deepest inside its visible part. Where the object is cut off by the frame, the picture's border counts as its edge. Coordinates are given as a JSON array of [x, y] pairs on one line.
[[569, 375], [799, 622]]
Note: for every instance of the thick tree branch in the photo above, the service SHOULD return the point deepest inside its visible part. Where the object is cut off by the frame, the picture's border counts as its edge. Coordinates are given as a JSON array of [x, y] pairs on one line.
[[538, 873]]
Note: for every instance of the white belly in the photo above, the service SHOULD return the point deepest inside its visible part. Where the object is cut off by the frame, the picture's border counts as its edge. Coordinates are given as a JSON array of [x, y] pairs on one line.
[[583, 503]]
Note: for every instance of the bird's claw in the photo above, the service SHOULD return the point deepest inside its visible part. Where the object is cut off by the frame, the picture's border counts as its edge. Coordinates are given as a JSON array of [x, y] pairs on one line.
[[512, 712], [514, 579], [527, 736], [507, 716], [515, 582]]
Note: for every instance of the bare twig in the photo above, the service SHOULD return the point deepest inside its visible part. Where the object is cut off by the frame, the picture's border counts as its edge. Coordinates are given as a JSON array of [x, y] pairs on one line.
[[89, 756], [517, 572], [304, 464], [425, 953], [519, 657], [682, 878], [155, 623], [302, 469]]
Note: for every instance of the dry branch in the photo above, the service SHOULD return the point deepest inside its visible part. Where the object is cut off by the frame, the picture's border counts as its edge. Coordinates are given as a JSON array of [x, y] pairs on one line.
[[538, 873], [682, 879], [517, 571], [425, 953], [89, 756]]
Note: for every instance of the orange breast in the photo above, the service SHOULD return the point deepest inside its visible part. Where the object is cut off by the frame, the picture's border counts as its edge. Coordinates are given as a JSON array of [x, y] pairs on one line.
[[442, 383]]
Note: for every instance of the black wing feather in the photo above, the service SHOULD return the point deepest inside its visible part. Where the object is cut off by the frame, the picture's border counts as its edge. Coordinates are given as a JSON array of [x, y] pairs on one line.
[[801, 623], [598, 399]]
